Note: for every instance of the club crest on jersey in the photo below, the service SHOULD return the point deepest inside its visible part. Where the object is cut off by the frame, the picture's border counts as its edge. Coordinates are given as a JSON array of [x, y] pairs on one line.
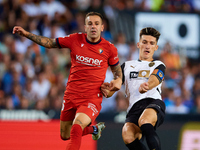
[[100, 51], [151, 64]]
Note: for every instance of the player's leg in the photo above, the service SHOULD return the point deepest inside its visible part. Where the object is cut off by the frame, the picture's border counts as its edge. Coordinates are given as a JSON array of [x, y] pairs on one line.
[[65, 128], [131, 135], [147, 121], [92, 109], [80, 122]]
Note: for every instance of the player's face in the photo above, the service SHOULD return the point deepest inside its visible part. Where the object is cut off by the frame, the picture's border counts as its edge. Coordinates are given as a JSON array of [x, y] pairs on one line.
[[147, 46], [93, 28]]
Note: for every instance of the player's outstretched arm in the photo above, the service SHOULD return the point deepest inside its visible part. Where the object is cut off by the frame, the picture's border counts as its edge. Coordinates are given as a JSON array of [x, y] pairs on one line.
[[150, 84], [41, 40]]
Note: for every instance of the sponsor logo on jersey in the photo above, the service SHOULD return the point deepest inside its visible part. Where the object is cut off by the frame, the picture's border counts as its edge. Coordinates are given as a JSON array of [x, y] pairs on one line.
[[100, 51], [93, 108], [133, 74], [132, 66], [144, 73], [116, 57], [88, 61]]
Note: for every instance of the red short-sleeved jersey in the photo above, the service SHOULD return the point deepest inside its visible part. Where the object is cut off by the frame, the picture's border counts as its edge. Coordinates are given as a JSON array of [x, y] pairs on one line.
[[89, 63]]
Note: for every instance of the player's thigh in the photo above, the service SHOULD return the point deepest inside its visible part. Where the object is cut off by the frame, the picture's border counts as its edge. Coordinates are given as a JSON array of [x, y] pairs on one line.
[[65, 128], [130, 132], [149, 115], [82, 119]]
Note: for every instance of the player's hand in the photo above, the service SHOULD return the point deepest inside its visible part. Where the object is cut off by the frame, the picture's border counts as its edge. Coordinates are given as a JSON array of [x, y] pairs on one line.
[[144, 87], [105, 89], [19, 30], [115, 85]]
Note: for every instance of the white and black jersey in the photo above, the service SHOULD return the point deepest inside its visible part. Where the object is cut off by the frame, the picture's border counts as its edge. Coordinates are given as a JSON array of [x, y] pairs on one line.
[[136, 72]]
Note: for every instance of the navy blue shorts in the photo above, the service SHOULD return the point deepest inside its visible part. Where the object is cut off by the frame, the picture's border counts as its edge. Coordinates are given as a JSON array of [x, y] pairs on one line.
[[138, 108]]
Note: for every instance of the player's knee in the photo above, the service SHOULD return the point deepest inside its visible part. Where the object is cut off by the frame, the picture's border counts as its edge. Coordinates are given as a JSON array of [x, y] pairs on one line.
[[127, 137], [64, 138], [145, 121]]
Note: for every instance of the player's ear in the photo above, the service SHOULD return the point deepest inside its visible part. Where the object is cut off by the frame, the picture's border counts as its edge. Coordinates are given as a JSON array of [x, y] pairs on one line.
[[102, 28], [138, 44], [156, 48]]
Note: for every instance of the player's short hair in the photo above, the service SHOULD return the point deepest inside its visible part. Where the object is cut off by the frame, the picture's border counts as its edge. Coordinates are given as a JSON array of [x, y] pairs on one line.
[[94, 14], [150, 31]]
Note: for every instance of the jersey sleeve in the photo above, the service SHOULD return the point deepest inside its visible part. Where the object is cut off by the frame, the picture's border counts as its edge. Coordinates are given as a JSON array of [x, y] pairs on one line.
[[123, 77], [65, 42], [113, 59], [159, 72]]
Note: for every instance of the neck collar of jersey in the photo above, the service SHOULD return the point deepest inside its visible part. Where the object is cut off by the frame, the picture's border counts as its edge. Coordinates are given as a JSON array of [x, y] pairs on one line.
[[93, 42], [141, 60]]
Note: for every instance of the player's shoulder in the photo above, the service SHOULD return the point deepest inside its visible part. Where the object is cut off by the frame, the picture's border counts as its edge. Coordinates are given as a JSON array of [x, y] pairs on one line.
[[108, 43], [130, 62], [158, 62], [79, 34]]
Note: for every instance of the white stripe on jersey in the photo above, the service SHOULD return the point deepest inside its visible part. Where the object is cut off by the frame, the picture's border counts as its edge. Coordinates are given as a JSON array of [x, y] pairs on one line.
[[137, 72]]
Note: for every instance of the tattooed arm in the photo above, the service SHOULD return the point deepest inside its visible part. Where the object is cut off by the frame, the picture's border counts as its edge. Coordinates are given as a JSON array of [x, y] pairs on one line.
[[117, 71], [41, 40], [108, 89]]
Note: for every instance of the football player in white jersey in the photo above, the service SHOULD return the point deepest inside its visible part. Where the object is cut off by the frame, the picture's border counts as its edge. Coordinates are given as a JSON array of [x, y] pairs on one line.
[[142, 79]]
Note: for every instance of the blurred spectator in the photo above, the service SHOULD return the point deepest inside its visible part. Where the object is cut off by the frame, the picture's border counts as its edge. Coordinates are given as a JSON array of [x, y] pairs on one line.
[[11, 76], [32, 8], [32, 25], [38, 63], [171, 59], [16, 95], [169, 97], [122, 47], [106, 32], [9, 103], [196, 107], [42, 104], [96, 6], [22, 44], [83, 4], [29, 94], [122, 104], [53, 30], [41, 86], [134, 52], [196, 87], [2, 100], [178, 107], [4, 64], [110, 9], [50, 7]]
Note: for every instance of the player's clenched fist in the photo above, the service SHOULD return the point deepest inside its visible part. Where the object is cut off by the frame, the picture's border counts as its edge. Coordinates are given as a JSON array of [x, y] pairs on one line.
[[19, 30], [144, 87]]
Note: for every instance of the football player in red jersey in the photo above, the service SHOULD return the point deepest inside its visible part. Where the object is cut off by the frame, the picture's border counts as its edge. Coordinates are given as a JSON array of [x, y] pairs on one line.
[[90, 57]]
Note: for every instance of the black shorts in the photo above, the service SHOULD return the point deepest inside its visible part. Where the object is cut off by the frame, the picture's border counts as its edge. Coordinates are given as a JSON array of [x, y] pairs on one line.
[[138, 108]]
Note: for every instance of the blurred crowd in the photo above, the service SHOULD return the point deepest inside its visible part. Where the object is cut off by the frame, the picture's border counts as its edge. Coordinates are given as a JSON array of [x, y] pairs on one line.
[[34, 77]]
